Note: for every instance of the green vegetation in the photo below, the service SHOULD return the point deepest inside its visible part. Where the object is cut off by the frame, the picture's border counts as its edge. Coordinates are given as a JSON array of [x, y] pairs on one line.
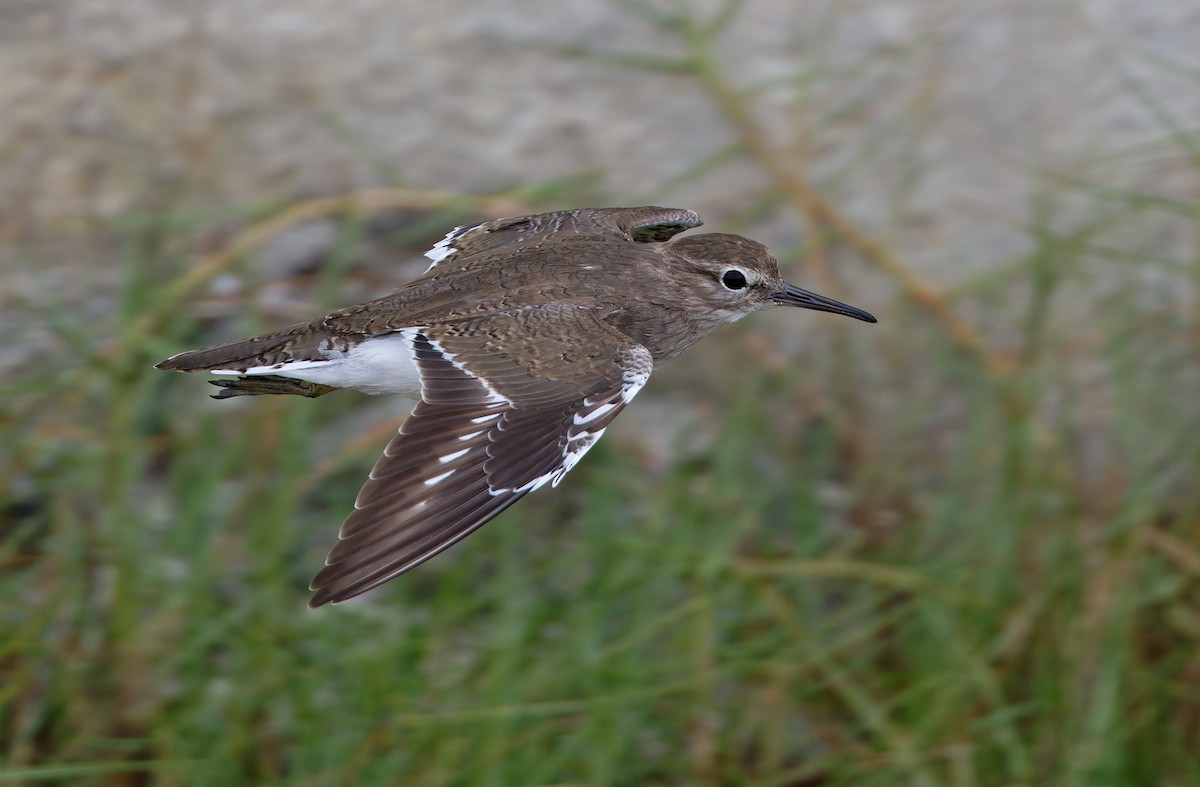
[[959, 548]]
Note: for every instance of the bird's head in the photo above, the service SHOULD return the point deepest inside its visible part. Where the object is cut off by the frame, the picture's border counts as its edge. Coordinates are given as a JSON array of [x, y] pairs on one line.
[[734, 276]]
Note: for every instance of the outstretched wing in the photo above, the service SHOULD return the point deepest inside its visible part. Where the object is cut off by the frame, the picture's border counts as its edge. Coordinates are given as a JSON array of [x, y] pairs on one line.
[[645, 225], [509, 402]]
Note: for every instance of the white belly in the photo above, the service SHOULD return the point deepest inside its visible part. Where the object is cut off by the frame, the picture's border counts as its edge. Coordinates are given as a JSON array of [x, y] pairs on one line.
[[380, 365]]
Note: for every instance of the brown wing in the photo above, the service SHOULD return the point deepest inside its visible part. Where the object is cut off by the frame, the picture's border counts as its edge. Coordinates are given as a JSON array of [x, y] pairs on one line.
[[353, 324], [488, 430], [645, 225]]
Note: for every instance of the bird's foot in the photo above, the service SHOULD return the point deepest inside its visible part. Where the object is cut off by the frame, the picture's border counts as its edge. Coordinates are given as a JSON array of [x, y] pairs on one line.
[[269, 384]]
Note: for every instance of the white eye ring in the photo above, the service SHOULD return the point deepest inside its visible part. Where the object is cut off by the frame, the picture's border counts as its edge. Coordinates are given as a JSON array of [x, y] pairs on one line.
[[735, 279]]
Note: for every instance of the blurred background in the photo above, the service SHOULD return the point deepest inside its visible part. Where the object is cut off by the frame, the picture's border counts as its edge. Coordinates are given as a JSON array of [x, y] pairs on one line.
[[961, 547]]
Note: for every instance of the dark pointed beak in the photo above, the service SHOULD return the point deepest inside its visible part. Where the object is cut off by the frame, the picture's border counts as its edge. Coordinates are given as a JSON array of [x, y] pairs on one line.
[[794, 296]]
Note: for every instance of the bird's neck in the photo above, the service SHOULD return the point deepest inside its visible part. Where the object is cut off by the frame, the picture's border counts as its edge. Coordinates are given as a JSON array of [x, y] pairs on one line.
[[665, 330]]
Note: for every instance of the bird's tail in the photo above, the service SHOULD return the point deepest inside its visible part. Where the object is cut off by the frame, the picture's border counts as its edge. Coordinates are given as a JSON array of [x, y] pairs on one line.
[[262, 350]]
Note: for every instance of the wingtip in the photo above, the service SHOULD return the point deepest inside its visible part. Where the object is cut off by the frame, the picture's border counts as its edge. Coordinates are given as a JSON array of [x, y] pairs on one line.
[[322, 594], [320, 597]]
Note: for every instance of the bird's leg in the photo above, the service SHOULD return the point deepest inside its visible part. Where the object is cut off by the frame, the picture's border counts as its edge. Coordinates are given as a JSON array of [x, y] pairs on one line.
[[269, 384]]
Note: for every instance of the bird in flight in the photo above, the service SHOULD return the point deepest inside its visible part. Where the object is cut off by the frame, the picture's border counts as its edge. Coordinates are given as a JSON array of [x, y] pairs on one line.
[[520, 344]]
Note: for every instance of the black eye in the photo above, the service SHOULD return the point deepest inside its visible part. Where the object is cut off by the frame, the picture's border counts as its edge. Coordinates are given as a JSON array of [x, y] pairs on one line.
[[733, 279]]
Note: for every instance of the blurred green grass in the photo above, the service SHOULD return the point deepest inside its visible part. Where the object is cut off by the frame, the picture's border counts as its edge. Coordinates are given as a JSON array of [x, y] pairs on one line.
[[960, 548], [888, 567]]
